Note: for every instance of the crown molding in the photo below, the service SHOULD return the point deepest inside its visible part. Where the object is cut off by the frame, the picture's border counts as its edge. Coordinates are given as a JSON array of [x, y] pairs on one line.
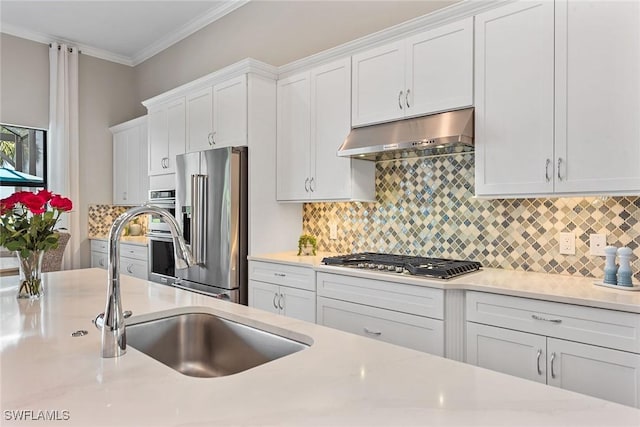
[[437, 18], [248, 65], [191, 27], [129, 124]]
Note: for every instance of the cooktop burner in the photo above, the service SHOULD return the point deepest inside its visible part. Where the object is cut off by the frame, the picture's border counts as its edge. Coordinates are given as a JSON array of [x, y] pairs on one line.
[[419, 266]]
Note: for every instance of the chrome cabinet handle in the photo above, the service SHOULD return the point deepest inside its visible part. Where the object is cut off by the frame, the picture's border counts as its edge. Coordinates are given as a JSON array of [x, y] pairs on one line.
[[553, 357], [406, 98], [371, 332], [559, 163], [274, 300], [536, 317], [280, 274], [400, 99], [306, 185], [211, 138], [538, 361], [124, 196], [546, 170], [311, 185], [101, 262], [129, 268], [280, 304]]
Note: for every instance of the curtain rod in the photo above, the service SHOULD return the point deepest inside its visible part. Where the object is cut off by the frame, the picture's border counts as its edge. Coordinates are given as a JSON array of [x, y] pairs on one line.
[[70, 49]]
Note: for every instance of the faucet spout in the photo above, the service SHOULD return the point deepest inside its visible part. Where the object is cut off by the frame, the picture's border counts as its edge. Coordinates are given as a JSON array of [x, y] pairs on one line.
[[114, 338]]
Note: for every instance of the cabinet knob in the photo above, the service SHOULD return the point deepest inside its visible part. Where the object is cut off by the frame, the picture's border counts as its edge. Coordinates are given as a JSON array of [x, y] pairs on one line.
[[400, 99]]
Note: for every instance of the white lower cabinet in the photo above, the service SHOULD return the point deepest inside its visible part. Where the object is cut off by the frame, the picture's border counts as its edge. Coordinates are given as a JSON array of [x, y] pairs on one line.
[[283, 289], [133, 258], [406, 315], [538, 353]]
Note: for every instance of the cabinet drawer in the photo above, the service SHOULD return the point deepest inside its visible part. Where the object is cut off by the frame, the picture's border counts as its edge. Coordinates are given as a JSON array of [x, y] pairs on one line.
[[134, 267], [378, 293], [133, 251], [98, 259], [99, 246], [419, 333], [281, 274], [607, 328]]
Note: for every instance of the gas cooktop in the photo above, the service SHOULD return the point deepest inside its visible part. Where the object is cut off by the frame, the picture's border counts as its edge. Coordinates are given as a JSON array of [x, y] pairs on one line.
[[418, 266]]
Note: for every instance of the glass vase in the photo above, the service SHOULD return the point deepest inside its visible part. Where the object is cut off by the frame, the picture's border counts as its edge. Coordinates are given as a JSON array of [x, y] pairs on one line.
[[31, 284]]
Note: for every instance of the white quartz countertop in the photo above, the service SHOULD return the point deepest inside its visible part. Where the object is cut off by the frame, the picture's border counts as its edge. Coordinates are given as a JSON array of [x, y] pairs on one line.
[[131, 240], [341, 380], [549, 287]]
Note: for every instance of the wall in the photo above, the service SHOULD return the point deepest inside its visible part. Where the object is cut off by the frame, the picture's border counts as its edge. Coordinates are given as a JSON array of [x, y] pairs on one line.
[[426, 206], [275, 32], [106, 97], [24, 82]]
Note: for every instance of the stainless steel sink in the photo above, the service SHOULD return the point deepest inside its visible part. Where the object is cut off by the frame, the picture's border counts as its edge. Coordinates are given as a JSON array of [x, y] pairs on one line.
[[205, 345]]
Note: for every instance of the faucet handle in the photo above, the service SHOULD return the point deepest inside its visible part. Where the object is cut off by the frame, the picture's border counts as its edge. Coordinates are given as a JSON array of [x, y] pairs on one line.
[[99, 320]]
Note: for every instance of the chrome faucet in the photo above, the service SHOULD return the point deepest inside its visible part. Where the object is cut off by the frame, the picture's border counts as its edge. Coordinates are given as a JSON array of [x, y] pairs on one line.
[[114, 339]]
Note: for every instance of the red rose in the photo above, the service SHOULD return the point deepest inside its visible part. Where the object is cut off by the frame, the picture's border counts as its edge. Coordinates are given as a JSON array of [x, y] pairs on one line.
[[7, 204], [60, 203], [33, 202], [46, 195]]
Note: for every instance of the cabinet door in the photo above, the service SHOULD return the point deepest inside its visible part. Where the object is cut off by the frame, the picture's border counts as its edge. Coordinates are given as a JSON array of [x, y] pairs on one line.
[[598, 96], [120, 168], [378, 87], [330, 125], [439, 69], [511, 352], [264, 296], [99, 259], [176, 134], [158, 140], [294, 134], [514, 95], [230, 113], [298, 303], [200, 120], [419, 333], [134, 267], [601, 372]]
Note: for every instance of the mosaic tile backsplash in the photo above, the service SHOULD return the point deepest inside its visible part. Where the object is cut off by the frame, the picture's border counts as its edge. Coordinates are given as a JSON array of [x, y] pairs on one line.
[[101, 218], [425, 206]]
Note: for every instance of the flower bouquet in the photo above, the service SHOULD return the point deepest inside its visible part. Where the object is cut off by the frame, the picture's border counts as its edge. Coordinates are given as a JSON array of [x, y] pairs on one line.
[[27, 227]]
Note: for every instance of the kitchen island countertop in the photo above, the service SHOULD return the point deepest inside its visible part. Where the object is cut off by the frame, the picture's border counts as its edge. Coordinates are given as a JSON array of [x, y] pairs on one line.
[[342, 379]]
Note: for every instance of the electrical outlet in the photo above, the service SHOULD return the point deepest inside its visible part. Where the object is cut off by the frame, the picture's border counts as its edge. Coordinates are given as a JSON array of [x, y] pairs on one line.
[[567, 243], [597, 242], [333, 230]]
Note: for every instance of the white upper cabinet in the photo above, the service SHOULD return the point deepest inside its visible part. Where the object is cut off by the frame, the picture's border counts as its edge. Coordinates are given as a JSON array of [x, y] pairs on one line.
[[313, 121], [166, 125], [230, 112], [200, 120], [598, 96], [514, 99], [130, 181], [426, 73], [557, 99]]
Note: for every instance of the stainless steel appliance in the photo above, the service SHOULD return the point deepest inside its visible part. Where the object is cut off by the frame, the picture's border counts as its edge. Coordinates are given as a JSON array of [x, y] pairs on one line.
[[404, 264], [165, 199], [161, 261], [211, 208]]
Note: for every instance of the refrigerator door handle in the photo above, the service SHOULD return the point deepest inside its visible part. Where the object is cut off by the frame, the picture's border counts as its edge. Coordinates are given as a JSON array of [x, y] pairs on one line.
[[198, 217]]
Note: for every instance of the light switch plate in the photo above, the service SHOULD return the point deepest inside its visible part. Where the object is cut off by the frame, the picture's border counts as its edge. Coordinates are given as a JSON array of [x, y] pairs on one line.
[[567, 243], [333, 230], [597, 243]]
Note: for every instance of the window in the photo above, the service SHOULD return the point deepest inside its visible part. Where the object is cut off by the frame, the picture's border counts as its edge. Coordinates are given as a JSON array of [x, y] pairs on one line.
[[23, 158]]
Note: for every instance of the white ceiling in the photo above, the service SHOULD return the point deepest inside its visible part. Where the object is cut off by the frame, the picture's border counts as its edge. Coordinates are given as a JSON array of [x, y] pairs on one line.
[[123, 31]]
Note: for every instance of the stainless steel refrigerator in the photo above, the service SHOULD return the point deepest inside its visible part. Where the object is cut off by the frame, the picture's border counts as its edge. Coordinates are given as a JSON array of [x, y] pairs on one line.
[[211, 208]]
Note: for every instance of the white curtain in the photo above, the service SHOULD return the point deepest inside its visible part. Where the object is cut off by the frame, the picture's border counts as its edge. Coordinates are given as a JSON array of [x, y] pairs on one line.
[[63, 144]]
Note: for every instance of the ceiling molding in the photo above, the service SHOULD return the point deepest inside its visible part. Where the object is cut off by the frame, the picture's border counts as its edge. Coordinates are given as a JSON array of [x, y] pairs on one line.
[[169, 40], [191, 27]]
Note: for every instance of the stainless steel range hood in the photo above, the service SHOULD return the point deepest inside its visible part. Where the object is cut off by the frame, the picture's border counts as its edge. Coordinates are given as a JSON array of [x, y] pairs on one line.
[[452, 128]]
